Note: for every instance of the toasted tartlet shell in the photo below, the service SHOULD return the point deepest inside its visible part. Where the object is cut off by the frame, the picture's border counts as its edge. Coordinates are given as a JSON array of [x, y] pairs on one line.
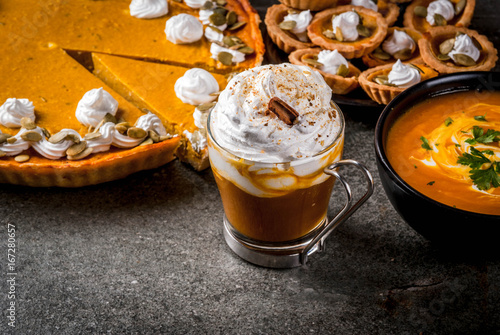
[[338, 84], [356, 49], [389, 11], [314, 5], [371, 61], [284, 40], [419, 23], [429, 49], [383, 94], [97, 168]]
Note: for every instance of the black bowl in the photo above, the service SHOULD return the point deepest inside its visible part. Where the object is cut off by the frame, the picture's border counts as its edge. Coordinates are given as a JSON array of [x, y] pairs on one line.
[[435, 221]]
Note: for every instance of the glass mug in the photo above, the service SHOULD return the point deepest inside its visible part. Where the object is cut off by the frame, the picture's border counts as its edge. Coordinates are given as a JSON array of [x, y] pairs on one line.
[[276, 213]]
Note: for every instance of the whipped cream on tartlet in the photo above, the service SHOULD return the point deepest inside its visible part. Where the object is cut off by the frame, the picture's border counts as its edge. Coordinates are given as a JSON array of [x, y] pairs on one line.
[[365, 3], [403, 75], [331, 60], [183, 29], [348, 23], [13, 110], [442, 7], [302, 21], [148, 9], [398, 41], [465, 46]]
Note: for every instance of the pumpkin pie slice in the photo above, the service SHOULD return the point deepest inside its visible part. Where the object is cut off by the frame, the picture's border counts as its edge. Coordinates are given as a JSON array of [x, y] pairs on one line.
[[151, 87]]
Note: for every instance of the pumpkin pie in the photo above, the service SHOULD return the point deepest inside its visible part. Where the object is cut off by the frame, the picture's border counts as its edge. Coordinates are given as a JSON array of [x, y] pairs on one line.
[[451, 49], [363, 30], [37, 66]]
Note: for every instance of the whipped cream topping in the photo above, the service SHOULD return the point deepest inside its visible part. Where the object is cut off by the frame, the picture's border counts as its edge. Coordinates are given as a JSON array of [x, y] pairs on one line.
[[94, 105], [398, 41], [464, 45], [331, 61], [196, 86], [13, 110], [365, 3], [200, 118], [148, 9], [195, 3], [14, 149], [241, 123], [204, 17], [442, 7], [183, 29], [302, 19], [53, 150], [197, 138], [403, 75], [215, 49], [347, 22], [151, 122], [213, 35], [103, 143]]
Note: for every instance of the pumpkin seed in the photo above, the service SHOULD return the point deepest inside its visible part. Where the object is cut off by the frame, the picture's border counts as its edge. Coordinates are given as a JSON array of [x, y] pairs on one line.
[[382, 80], [147, 141], [287, 25], [4, 137], [416, 68], [217, 19], [246, 50], [237, 25], [76, 148], [293, 11], [403, 54], [313, 62], [381, 54], [206, 106], [122, 127], [440, 20], [420, 11], [338, 34], [136, 132], [27, 123], [231, 18], [443, 57], [109, 118], [45, 132], [73, 138], [329, 34], [221, 2], [447, 46], [81, 155], [228, 41], [462, 59], [12, 140], [476, 43], [222, 11], [22, 158], [165, 137], [343, 70], [58, 137], [459, 6], [31, 136], [215, 94], [207, 5], [2, 154], [225, 58], [363, 30], [153, 135], [92, 136]]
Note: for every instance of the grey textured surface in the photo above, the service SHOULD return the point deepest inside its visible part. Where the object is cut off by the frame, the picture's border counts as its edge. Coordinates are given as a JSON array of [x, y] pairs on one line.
[[145, 255]]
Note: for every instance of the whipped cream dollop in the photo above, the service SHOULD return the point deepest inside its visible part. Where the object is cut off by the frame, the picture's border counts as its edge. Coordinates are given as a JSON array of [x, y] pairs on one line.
[[213, 35], [302, 21], [331, 60], [195, 3], [464, 45], [183, 29], [94, 105], [398, 41], [13, 110], [348, 23], [242, 124], [196, 86], [204, 17], [365, 3], [14, 149], [442, 7], [148, 9], [215, 49], [403, 75]]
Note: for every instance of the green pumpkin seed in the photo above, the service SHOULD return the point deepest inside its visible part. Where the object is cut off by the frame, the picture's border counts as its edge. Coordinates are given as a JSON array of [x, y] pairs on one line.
[[109, 118], [122, 127], [343, 70], [81, 155], [12, 140], [476, 43], [420, 11], [231, 18], [287, 25], [313, 62], [4, 137], [363, 30], [147, 142], [236, 26], [45, 132], [338, 34], [246, 50], [76, 148], [381, 54], [22, 158], [58, 137], [416, 68], [228, 41], [217, 19], [206, 106], [207, 5], [382, 80], [443, 57], [31, 136], [222, 11], [73, 137], [403, 54], [92, 136], [462, 59], [153, 135], [2, 154], [447, 46], [440, 20], [136, 132], [459, 6], [225, 58], [28, 123]]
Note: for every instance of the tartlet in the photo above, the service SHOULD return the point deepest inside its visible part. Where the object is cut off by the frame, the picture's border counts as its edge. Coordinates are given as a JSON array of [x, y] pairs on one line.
[[389, 11], [285, 40], [377, 58], [383, 94], [314, 5], [430, 50], [412, 20], [339, 84], [356, 49]]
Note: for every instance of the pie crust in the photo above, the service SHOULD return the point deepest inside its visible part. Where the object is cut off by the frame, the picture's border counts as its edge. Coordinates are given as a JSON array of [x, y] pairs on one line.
[[314, 5], [383, 94], [429, 49], [285, 40], [420, 23], [356, 49], [389, 11], [371, 60], [338, 84]]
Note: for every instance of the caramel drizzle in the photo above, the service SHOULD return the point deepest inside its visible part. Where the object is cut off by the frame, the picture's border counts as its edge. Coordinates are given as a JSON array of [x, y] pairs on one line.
[[282, 110]]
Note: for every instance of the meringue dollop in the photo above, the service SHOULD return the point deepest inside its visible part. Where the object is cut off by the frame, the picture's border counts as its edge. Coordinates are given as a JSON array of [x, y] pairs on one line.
[[196, 86], [148, 9], [302, 19], [442, 7], [403, 75], [94, 105], [331, 61], [398, 41], [347, 22], [13, 110], [183, 29], [464, 45]]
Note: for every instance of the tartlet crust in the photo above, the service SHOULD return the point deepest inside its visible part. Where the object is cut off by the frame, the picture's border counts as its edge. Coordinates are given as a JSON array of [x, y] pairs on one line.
[[314, 5], [419, 23], [355, 49], [383, 94], [429, 48], [389, 11], [338, 84], [371, 61], [284, 40]]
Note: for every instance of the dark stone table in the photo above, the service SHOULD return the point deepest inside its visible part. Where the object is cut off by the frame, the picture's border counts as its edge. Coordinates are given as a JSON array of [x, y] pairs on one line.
[[146, 255]]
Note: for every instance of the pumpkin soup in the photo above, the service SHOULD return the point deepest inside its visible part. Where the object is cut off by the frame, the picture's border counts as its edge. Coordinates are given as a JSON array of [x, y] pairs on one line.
[[448, 149]]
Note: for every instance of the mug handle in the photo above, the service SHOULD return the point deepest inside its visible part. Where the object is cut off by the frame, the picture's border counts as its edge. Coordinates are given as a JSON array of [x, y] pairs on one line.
[[318, 242]]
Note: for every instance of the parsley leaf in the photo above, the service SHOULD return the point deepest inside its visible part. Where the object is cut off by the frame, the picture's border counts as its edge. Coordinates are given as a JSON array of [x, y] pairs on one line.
[[480, 117], [431, 183], [425, 143], [448, 121], [484, 179], [475, 159], [480, 137]]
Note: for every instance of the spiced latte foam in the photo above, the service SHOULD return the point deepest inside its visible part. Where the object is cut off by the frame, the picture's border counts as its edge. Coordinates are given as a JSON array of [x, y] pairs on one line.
[[273, 131]]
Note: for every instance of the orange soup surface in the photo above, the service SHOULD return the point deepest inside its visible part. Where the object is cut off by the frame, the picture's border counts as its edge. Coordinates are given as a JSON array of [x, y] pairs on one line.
[[448, 149]]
